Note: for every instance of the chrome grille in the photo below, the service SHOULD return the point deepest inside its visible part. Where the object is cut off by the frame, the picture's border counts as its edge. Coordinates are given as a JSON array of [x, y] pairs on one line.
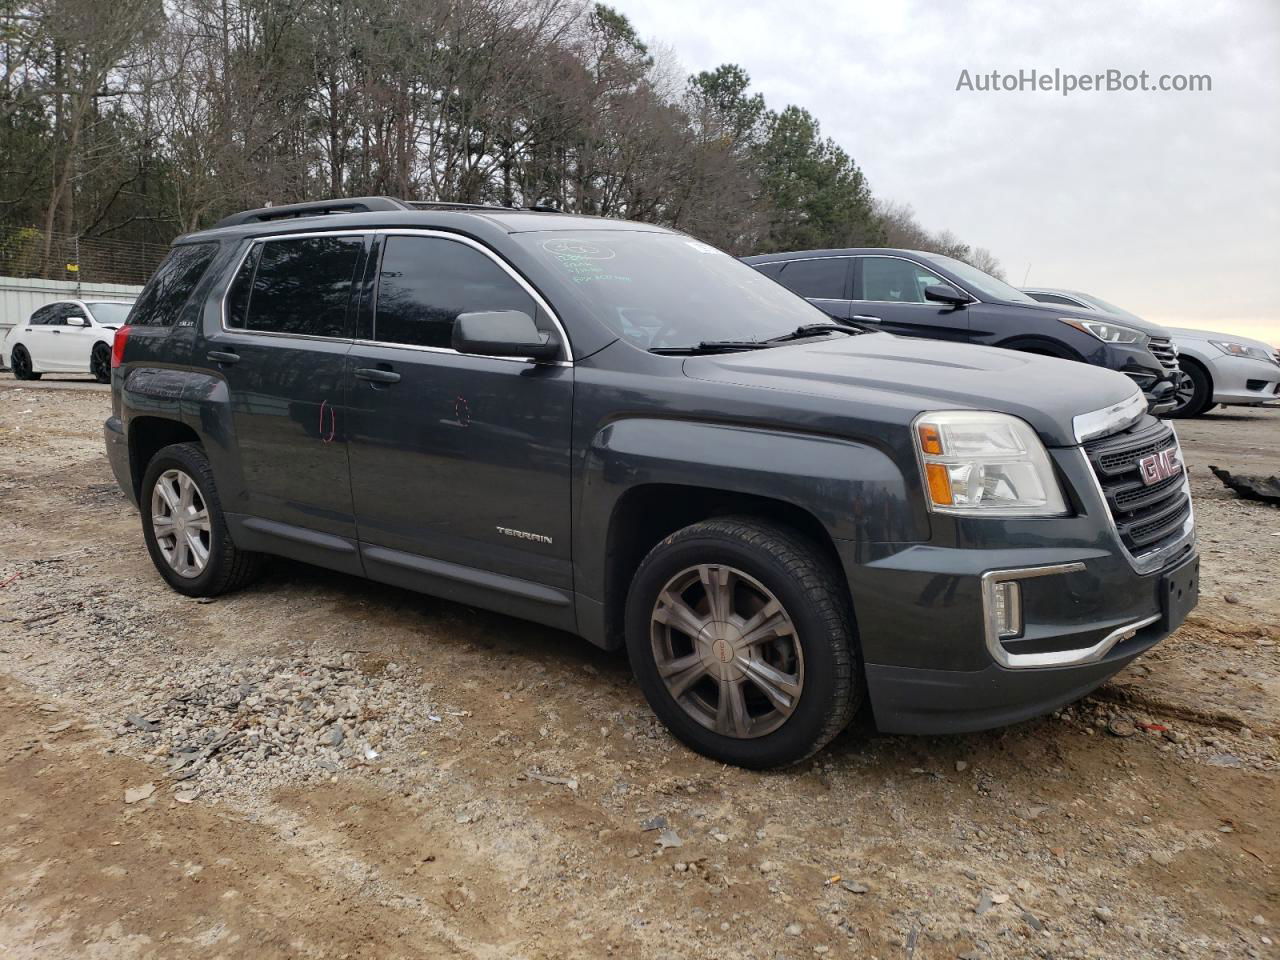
[[1146, 517], [1162, 349]]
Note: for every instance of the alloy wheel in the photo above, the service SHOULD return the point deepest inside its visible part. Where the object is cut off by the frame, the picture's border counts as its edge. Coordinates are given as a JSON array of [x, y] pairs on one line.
[[727, 651], [180, 522], [21, 364], [100, 363], [1184, 393]]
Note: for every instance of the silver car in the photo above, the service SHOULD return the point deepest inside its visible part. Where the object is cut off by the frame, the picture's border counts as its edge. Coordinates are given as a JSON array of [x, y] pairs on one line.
[[1219, 367]]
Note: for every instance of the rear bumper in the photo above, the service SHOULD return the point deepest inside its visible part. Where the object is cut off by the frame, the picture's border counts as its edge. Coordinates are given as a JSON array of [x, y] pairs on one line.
[[118, 456]]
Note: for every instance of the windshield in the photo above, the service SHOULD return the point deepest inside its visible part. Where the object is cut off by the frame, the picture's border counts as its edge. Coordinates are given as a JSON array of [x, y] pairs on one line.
[[1105, 307], [985, 284], [110, 314], [661, 290]]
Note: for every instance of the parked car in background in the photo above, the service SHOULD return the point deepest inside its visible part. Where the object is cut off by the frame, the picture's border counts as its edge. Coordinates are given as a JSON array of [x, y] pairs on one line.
[[616, 430], [66, 336], [917, 294], [1219, 368]]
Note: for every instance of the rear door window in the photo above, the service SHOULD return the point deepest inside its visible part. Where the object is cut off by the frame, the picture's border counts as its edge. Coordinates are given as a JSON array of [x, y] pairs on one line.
[[817, 279], [46, 313], [425, 282], [299, 286], [168, 291]]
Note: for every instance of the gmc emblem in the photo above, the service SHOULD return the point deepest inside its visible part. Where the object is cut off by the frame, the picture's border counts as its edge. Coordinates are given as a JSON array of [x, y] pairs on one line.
[[1160, 466]]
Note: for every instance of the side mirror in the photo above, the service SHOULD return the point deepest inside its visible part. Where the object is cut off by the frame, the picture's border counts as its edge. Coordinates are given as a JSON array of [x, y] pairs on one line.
[[945, 293], [503, 333], [77, 322]]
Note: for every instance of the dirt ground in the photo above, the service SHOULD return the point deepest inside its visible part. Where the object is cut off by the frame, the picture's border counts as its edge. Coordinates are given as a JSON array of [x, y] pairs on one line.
[[502, 791]]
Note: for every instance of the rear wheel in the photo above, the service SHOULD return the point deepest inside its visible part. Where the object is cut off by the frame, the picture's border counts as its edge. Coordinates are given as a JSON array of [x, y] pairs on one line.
[[185, 529], [100, 363], [21, 364], [1194, 394], [740, 636]]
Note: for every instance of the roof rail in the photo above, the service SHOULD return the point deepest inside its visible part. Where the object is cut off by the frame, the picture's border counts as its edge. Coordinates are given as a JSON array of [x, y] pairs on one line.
[[453, 205], [315, 208]]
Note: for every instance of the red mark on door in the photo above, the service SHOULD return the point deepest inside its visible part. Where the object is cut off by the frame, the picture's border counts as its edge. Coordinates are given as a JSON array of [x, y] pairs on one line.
[[328, 422]]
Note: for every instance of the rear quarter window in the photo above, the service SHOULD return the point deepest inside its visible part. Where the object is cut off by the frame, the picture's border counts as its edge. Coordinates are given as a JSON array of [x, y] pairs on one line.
[[168, 291]]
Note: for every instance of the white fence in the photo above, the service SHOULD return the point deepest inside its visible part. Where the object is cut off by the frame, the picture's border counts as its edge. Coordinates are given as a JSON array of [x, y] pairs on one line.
[[19, 297]]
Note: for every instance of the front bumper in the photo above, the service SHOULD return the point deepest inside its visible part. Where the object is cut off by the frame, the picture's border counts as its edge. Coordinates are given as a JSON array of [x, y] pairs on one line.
[[1244, 380], [934, 661]]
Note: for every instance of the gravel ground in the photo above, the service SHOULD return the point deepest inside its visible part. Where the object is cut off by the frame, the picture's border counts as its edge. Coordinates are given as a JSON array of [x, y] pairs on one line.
[[321, 766]]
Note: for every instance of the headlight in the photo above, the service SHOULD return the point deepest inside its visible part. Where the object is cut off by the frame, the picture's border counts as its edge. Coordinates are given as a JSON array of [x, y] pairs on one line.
[[1242, 350], [1105, 331], [985, 465]]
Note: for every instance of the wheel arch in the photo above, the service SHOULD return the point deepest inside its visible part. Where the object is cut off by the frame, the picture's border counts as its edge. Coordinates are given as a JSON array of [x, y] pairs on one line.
[[1187, 358], [148, 436], [1043, 346], [648, 512]]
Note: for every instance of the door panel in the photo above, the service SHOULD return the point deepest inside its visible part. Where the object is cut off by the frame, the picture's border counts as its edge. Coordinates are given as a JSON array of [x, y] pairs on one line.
[[892, 288], [282, 356], [77, 342], [459, 458]]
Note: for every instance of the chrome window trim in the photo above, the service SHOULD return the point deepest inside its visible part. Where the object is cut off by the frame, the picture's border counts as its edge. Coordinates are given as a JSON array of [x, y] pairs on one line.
[[1049, 658], [406, 232], [1108, 420]]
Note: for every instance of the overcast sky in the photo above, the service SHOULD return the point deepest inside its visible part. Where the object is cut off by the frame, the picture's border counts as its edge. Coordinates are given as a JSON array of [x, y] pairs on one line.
[[1167, 204]]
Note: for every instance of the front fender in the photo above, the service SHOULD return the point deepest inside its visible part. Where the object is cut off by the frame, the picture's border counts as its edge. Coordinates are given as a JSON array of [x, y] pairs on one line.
[[856, 491]]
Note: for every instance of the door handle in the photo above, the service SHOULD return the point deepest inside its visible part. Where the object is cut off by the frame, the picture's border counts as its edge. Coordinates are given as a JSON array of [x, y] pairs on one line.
[[223, 356], [375, 375], [55, 331], [863, 317]]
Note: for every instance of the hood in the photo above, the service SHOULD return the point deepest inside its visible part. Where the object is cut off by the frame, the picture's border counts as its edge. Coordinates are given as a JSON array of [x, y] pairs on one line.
[[1216, 335], [912, 376], [1079, 313]]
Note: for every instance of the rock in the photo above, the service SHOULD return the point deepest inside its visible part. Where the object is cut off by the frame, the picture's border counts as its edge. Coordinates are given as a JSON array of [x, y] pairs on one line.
[[1224, 760], [1032, 921], [669, 838], [985, 903], [720, 837], [186, 796], [134, 794], [768, 866], [794, 930], [1231, 598], [333, 737], [961, 766], [998, 898], [59, 727], [1259, 919], [1162, 857], [654, 823], [1121, 727], [142, 723], [1104, 914], [854, 887], [681, 867]]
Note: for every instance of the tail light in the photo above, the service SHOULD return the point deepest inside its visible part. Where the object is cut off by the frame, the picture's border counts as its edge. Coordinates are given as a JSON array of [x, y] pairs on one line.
[[117, 346]]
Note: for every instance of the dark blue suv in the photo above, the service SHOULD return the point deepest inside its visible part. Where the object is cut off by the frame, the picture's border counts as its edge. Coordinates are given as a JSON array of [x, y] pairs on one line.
[[915, 294]]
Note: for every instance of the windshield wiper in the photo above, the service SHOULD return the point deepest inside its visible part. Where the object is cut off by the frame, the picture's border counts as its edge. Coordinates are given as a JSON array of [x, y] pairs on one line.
[[713, 346], [814, 330]]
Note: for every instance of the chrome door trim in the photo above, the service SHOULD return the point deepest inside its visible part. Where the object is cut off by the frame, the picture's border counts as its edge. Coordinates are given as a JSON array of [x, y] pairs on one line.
[[397, 231]]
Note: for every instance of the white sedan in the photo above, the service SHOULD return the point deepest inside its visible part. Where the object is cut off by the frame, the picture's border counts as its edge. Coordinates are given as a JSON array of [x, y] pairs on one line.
[[67, 336]]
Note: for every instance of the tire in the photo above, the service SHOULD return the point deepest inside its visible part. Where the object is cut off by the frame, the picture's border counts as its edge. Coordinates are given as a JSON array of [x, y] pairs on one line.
[[225, 566], [21, 365], [813, 649], [1194, 395], [100, 362]]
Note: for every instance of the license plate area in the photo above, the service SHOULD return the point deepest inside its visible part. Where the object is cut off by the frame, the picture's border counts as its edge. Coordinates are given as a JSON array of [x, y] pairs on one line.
[[1180, 591]]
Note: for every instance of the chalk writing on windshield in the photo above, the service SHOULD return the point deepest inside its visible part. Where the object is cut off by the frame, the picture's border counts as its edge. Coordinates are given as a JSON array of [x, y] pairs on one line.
[[582, 259]]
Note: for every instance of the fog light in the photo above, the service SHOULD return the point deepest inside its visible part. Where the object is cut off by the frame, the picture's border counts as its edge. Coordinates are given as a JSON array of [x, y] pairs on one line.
[[1006, 607]]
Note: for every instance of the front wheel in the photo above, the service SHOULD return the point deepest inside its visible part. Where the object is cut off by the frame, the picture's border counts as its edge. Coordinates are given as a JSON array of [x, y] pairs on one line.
[[21, 365], [100, 363], [185, 529], [741, 638], [1193, 395]]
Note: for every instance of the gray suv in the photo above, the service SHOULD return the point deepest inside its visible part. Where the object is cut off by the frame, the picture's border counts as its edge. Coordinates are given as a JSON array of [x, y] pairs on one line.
[[619, 431]]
